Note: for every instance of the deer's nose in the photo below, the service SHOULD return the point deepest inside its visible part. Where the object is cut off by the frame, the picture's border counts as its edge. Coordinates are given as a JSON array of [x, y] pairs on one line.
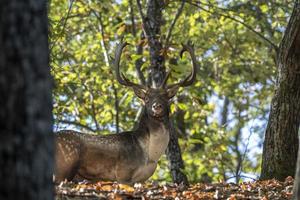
[[156, 106]]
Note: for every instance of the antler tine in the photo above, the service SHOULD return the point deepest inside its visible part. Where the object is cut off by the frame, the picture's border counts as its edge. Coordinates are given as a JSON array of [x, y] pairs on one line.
[[120, 76], [189, 80], [163, 84]]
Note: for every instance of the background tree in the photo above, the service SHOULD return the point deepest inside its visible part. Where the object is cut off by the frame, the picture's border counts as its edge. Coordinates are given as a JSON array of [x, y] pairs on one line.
[[281, 139], [151, 23], [292, 49], [26, 146], [220, 121]]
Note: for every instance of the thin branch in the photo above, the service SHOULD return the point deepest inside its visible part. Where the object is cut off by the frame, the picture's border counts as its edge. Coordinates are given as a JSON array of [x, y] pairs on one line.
[[144, 22], [246, 148], [92, 96], [140, 10], [93, 110], [101, 29], [178, 13], [64, 23], [106, 57], [132, 18], [238, 21], [76, 124], [242, 176], [117, 109], [81, 16], [139, 47], [139, 62], [238, 153], [69, 11], [224, 113]]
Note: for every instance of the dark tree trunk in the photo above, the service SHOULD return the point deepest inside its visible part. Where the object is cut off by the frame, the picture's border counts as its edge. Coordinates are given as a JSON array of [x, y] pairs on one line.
[[175, 158], [152, 27], [281, 138], [26, 144], [152, 24]]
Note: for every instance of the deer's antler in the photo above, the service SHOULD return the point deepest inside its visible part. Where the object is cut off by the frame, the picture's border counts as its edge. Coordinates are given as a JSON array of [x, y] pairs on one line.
[[189, 80], [120, 76]]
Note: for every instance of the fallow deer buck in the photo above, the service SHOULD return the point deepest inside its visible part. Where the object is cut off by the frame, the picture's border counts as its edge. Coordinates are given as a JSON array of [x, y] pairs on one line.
[[127, 157]]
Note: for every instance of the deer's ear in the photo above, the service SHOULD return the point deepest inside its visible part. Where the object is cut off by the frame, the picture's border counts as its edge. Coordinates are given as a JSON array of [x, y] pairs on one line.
[[141, 93], [172, 91]]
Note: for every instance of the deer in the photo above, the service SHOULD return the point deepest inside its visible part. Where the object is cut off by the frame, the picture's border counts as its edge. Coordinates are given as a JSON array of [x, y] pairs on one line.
[[127, 157]]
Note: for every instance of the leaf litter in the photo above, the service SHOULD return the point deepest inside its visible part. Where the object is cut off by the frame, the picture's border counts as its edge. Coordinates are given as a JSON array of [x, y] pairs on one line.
[[262, 190]]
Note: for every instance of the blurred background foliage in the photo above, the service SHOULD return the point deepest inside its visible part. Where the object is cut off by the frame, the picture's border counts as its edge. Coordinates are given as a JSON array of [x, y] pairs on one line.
[[220, 120]]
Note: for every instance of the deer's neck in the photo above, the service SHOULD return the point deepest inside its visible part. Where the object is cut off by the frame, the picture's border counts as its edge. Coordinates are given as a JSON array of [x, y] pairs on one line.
[[153, 136]]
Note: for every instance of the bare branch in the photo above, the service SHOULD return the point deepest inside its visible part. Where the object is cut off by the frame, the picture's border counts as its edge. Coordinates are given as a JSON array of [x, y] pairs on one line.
[[92, 98], [92, 111], [178, 13], [105, 52], [64, 23], [117, 108], [246, 148], [132, 18], [242, 176], [76, 124], [139, 62], [139, 47], [145, 26], [101, 29], [141, 10], [238, 21]]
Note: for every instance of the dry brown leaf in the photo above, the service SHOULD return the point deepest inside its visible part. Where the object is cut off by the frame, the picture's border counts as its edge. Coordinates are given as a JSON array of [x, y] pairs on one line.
[[127, 188]]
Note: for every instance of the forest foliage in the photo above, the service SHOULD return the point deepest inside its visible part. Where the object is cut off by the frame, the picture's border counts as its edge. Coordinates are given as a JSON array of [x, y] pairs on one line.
[[220, 120]]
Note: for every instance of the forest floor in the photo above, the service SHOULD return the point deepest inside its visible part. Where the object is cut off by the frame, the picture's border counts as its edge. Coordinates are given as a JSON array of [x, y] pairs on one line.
[[264, 190]]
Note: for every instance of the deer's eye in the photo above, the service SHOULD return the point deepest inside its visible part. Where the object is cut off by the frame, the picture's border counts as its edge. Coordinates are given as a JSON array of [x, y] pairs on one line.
[[146, 99]]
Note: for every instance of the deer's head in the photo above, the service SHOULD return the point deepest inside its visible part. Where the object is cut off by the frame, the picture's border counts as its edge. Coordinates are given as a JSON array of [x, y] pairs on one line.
[[156, 100]]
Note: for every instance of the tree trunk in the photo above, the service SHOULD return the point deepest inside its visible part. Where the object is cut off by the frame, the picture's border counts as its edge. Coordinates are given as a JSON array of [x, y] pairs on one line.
[[157, 74], [175, 158], [26, 143], [152, 27], [296, 188], [281, 137]]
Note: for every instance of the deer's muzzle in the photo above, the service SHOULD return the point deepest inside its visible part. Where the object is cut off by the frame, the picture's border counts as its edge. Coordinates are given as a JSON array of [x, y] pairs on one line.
[[157, 108]]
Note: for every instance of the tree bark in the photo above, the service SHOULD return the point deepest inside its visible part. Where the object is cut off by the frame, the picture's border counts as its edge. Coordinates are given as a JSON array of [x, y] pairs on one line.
[[296, 188], [224, 113], [281, 137], [26, 143], [152, 27], [152, 24], [175, 158]]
